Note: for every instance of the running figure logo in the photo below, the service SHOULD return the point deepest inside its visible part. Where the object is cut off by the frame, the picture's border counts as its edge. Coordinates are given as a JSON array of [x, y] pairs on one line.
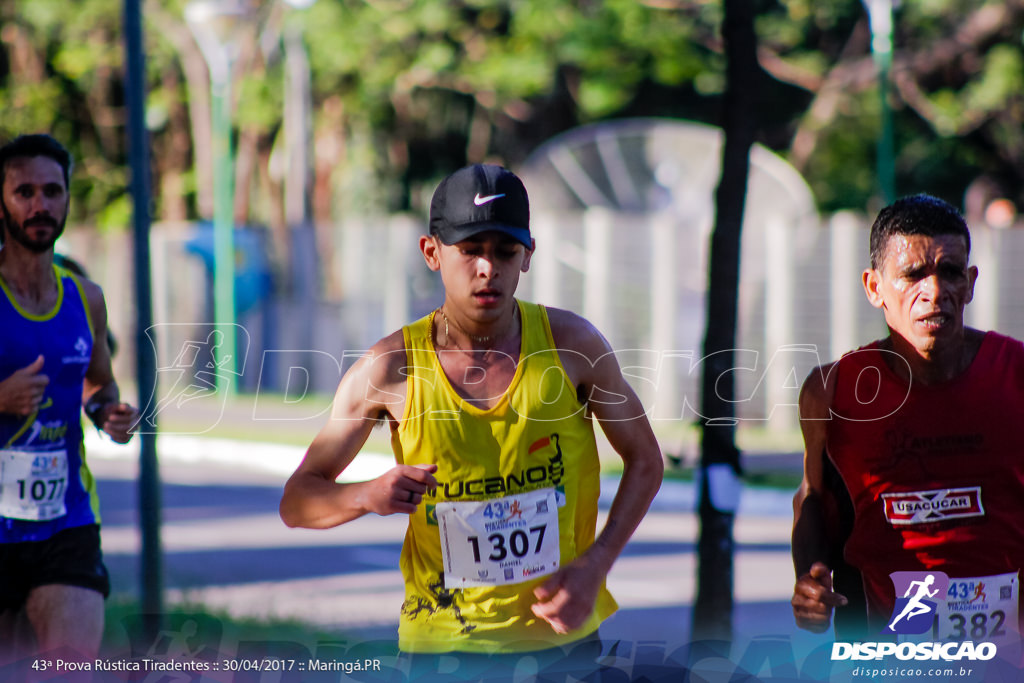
[[199, 370], [915, 610]]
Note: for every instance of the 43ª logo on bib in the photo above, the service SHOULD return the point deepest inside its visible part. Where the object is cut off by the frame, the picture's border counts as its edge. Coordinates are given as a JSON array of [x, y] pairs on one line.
[[32, 484], [956, 609]]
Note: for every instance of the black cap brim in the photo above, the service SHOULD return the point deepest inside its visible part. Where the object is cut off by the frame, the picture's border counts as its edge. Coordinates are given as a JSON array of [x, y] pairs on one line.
[[453, 234]]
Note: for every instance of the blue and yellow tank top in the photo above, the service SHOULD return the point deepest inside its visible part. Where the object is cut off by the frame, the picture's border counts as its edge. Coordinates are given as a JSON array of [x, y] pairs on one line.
[[470, 588], [53, 434]]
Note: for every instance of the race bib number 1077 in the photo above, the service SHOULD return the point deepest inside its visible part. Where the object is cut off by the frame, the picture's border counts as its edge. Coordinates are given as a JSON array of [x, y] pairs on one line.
[[32, 484], [500, 541]]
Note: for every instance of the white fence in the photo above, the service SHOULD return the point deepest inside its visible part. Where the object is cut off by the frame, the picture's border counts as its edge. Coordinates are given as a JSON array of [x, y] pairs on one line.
[[640, 278]]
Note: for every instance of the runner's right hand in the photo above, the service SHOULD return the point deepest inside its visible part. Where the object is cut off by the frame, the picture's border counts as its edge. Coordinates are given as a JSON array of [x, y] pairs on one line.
[[814, 599], [22, 392], [400, 489]]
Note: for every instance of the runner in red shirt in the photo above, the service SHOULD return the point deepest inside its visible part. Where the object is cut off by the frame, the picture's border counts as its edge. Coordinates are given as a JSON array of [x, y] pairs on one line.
[[916, 426]]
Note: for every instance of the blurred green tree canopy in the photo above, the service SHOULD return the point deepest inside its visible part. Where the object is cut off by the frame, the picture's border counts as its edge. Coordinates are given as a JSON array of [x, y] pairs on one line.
[[404, 91]]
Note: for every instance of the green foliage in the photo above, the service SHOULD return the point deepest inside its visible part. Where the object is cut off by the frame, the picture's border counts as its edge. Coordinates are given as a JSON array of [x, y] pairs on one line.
[[845, 175], [414, 87], [262, 95], [62, 78], [116, 214], [28, 107], [382, 57], [1000, 80]]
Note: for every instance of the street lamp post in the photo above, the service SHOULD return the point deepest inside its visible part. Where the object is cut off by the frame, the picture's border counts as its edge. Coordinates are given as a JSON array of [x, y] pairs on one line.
[[216, 25], [151, 559], [298, 114], [880, 19]]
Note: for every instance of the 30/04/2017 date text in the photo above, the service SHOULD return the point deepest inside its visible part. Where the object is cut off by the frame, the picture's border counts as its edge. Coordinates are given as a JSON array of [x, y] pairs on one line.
[[264, 664]]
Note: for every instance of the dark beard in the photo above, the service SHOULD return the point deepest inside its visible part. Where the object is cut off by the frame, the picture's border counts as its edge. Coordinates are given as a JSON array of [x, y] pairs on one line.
[[16, 232]]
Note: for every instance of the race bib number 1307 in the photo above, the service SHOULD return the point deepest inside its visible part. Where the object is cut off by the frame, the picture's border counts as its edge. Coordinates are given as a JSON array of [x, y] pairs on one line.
[[500, 541]]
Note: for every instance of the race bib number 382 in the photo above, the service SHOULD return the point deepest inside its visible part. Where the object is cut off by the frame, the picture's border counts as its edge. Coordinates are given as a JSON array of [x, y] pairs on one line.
[[32, 484], [980, 608], [499, 541]]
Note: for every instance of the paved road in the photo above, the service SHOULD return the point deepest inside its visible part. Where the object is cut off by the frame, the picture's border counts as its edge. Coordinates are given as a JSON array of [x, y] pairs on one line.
[[226, 548]]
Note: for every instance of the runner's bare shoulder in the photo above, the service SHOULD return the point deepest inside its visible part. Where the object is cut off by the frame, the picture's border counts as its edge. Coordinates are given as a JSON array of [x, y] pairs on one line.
[[817, 391], [377, 380], [572, 331]]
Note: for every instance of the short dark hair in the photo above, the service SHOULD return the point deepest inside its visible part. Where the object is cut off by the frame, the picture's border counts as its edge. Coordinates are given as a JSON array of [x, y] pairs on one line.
[[919, 214], [36, 145]]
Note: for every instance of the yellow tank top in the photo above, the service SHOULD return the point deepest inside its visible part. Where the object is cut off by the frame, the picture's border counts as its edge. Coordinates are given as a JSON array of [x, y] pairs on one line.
[[536, 438]]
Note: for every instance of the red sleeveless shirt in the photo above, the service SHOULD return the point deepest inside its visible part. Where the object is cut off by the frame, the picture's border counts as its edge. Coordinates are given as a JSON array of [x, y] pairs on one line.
[[935, 473]]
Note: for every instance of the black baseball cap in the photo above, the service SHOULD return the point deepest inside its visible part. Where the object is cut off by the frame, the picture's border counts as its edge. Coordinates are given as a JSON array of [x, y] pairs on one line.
[[478, 198]]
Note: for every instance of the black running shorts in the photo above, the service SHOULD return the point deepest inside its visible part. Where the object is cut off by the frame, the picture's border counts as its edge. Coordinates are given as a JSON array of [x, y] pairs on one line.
[[70, 557]]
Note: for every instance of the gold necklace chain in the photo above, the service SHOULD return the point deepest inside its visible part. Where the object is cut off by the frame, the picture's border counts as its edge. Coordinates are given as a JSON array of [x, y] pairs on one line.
[[473, 337]]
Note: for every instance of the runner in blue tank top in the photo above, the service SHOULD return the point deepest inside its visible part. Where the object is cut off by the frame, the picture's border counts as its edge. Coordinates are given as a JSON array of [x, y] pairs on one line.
[[53, 360]]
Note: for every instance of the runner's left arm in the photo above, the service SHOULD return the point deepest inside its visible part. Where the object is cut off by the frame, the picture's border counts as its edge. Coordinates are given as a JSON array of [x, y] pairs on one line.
[[813, 595], [101, 397], [567, 597]]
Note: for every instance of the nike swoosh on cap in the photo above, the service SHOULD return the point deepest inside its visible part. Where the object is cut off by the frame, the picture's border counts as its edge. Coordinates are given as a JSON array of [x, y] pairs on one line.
[[480, 201]]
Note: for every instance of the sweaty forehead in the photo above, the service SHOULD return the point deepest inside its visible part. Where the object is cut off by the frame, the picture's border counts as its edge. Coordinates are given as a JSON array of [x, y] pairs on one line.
[[902, 250]]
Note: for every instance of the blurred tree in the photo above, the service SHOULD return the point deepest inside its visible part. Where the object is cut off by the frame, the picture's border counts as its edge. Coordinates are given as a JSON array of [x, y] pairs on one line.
[[720, 458], [179, 114], [421, 87], [406, 90], [956, 70], [62, 77]]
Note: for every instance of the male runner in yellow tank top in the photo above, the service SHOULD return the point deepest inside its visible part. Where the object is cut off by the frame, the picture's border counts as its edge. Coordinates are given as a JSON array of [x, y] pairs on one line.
[[489, 401]]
